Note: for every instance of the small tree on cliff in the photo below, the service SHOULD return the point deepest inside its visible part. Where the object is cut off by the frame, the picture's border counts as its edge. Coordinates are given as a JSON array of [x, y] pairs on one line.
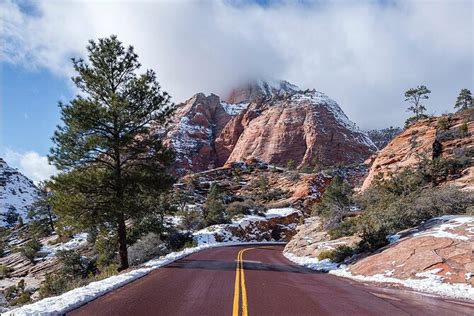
[[414, 96], [213, 212], [110, 160], [464, 100]]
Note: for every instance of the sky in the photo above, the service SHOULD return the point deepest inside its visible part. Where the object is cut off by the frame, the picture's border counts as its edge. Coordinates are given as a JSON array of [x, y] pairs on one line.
[[363, 54]]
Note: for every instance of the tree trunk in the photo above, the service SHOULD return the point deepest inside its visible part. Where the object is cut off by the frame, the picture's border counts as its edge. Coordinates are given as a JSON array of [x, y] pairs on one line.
[[122, 242]]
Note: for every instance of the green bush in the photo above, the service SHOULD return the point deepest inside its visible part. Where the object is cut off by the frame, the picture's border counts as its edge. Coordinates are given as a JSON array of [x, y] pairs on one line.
[[191, 220], [54, 284], [336, 255], [443, 123], [105, 247], [31, 249], [73, 265], [5, 271]]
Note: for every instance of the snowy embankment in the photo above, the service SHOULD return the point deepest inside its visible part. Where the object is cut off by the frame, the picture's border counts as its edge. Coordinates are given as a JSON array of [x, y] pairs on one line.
[[397, 263], [428, 282], [80, 296]]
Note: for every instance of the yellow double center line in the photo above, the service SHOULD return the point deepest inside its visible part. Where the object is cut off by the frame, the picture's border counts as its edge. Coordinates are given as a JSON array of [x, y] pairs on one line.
[[240, 284]]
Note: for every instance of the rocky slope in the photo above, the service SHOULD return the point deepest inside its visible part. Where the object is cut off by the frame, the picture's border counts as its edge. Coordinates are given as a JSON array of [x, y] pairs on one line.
[[310, 240], [434, 137], [17, 193], [442, 247], [274, 122], [381, 137]]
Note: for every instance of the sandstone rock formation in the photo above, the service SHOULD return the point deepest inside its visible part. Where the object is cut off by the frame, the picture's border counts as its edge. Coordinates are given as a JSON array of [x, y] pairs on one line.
[[431, 138], [272, 122], [442, 247], [310, 240], [306, 127]]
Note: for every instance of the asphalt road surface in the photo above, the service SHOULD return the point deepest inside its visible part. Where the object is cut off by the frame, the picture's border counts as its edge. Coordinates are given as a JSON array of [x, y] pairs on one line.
[[259, 280]]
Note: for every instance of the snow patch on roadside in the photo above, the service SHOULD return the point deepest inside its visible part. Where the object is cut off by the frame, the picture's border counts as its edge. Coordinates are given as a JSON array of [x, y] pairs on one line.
[[429, 282], [312, 263], [73, 299]]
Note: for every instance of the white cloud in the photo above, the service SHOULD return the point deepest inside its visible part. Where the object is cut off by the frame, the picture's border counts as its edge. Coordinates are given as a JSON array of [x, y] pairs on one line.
[[364, 54], [31, 164]]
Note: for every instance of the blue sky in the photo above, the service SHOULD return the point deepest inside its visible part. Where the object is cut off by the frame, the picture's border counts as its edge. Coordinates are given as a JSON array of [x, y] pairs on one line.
[[363, 54]]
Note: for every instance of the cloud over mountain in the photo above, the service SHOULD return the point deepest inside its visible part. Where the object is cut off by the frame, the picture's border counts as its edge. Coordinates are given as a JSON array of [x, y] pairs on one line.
[[365, 54]]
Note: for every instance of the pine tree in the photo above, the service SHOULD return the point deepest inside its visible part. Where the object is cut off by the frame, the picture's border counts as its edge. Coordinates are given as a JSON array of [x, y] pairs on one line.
[[415, 96], [109, 157], [464, 100], [213, 208], [41, 213]]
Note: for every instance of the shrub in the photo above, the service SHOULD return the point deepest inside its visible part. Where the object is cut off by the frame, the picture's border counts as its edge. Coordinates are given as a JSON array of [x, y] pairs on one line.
[[146, 248], [443, 123], [213, 212], [336, 255], [54, 284], [30, 250], [105, 247], [177, 240], [191, 220], [335, 203], [73, 265], [11, 216], [347, 227], [22, 298], [5, 271], [464, 130]]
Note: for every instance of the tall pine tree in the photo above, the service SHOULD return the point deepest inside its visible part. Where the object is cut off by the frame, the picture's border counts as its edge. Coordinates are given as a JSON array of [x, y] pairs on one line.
[[415, 97], [464, 100], [110, 159]]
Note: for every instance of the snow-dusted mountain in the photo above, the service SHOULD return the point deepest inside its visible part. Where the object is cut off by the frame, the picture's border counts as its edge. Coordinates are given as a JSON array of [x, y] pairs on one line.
[[273, 121], [17, 193]]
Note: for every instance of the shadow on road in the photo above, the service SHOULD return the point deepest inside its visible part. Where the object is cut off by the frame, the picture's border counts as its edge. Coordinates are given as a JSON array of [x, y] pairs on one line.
[[225, 265]]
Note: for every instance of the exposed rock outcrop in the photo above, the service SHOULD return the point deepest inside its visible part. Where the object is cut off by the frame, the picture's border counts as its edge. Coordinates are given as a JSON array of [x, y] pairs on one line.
[[274, 122], [311, 239], [442, 247], [447, 136]]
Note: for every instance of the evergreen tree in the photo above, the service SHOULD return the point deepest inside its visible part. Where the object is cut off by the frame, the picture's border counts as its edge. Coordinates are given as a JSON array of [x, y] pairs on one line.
[[335, 203], [41, 213], [464, 100], [213, 208], [109, 157], [414, 96]]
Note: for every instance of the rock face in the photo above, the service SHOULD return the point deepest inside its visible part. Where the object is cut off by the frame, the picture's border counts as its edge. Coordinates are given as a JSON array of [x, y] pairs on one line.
[[17, 193], [274, 122], [194, 129], [433, 139], [381, 137], [306, 127], [442, 247], [310, 240]]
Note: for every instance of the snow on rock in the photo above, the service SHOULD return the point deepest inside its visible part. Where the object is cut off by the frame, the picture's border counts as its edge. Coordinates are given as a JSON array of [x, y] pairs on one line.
[[429, 283], [77, 241], [17, 192], [280, 212], [275, 224], [73, 299], [312, 263], [234, 109]]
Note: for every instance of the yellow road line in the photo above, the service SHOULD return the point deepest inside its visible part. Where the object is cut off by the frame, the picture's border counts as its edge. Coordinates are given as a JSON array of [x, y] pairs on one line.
[[235, 309], [240, 284]]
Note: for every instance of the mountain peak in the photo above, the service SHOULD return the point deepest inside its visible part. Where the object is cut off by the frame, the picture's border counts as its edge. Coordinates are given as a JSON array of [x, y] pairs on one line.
[[249, 91]]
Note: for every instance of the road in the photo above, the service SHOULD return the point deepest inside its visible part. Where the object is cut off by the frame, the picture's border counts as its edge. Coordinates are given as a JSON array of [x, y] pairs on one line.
[[259, 280]]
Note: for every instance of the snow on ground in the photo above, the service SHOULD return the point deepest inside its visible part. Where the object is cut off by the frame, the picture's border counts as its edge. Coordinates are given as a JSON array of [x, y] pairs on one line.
[[429, 282], [450, 223], [207, 235], [70, 300], [280, 212], [78, 240]]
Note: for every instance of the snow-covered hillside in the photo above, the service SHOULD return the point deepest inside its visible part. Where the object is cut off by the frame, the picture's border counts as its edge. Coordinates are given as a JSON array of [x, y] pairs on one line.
[[17, 193]]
